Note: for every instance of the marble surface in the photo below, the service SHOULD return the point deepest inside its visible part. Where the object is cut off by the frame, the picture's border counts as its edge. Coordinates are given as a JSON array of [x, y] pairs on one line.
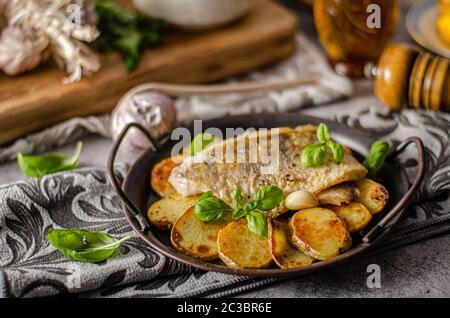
[[418, 270]]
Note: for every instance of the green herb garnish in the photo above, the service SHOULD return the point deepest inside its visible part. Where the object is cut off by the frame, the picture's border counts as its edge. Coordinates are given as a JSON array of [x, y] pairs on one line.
[[41, 165], [317, 154], [257, 223], [210, 208], [125, 31], [377, 156], [200, 142], [84, 246]]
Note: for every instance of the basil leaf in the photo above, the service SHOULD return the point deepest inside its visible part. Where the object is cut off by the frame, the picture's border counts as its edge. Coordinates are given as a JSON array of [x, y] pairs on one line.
[[338, 152], [267, 198], [257, 223], [314, 155], [239, 213], [210, 208], [238, 198], [84, 246], [200, 142], [323, 133], [377, 156], [41, 165]]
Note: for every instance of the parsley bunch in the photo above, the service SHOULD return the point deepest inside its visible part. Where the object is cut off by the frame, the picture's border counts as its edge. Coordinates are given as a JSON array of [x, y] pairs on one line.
[[125, 31]]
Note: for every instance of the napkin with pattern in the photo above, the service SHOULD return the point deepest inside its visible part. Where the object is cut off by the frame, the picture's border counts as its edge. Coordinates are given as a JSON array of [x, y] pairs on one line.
[[83, 199]]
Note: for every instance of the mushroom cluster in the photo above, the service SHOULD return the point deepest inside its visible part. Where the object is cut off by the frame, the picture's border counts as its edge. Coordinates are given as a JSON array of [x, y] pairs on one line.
[[34, 30]]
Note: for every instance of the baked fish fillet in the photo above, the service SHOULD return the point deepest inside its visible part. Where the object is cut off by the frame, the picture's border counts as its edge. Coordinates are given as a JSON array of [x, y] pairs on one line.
[[251, 169]]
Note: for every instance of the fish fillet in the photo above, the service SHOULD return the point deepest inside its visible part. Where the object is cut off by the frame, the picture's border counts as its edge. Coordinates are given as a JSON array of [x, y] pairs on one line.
[[208, 171]]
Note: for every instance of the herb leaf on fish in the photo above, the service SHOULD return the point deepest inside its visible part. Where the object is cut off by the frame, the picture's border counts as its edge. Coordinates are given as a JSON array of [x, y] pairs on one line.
[[316, 154], [200, 142]]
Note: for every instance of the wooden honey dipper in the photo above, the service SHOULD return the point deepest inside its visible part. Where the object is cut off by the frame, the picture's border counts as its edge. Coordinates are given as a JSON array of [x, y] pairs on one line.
[[406, 76]]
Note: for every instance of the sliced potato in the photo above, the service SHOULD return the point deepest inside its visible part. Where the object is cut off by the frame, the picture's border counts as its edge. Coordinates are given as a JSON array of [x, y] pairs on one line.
[[355, 215], [241, 248], [160, 177], [337, 195], [372, 195], [283, 253], [165, 212], [319, 233], [196, 238], [347, 243]]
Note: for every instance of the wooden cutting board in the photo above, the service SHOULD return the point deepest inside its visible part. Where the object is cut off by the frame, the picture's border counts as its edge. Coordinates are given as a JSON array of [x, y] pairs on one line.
[[35, 100]]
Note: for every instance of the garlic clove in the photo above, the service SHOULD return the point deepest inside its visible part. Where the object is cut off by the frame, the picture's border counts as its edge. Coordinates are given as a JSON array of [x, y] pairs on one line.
[[300, 200]]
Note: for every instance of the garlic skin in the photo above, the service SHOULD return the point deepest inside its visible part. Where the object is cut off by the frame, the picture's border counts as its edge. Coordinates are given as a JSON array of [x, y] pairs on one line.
[[154, 111], [300, 200]]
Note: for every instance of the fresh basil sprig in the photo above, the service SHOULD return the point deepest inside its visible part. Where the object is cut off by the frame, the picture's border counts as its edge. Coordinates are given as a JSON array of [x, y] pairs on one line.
[[316, 154], [267, 198], [84, 246], [200, 142], [377, 156], [257, 223], [41, 165], [210, 208], [323, 133], [338, 152]]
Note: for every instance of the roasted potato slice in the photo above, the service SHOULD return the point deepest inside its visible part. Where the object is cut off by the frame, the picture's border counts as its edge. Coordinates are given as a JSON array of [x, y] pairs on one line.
[[337, 195], [283, 253], [160, 177], [165, 212], [372, 195], [241, 248], [355, 215], [319, 233], [196, 238]]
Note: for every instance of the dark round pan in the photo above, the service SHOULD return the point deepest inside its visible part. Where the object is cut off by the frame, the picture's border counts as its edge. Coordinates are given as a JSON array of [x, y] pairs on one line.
[[137, 195]]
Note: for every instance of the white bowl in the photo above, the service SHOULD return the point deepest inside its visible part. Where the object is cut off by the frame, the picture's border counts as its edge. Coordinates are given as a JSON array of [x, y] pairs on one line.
[[195, 14]]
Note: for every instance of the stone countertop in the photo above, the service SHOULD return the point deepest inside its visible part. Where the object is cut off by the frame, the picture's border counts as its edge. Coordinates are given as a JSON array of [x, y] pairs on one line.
[[418, 270]]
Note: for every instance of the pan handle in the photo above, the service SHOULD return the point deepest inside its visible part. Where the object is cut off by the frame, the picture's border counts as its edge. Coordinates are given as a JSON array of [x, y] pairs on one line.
[[112, 177], [401, 205]]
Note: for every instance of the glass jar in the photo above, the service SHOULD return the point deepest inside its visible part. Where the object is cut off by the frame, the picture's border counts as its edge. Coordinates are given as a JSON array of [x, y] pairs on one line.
[[355, 32]]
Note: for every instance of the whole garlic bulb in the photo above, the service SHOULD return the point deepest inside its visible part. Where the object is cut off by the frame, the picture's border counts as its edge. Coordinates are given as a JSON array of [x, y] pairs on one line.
[[154, 111], [20, 53]]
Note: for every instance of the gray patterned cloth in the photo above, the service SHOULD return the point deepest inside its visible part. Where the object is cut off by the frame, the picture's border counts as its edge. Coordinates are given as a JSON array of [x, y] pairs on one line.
[[84, 199]]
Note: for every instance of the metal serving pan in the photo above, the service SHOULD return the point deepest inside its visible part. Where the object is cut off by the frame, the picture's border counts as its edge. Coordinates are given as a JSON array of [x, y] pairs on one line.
[[137, 195]]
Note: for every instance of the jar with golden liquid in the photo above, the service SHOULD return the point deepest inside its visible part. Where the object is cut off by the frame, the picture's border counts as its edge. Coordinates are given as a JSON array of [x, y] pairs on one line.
[[355, 32]]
